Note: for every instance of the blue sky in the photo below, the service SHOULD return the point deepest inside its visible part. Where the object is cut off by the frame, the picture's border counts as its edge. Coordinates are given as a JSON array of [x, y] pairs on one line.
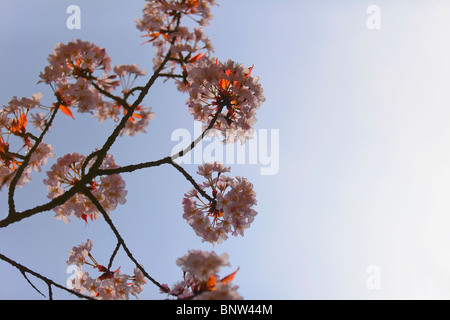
[[362, 117]]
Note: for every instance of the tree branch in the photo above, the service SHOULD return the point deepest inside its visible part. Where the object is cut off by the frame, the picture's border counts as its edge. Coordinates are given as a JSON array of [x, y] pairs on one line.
[[101, 153], [113, 255], [20, 170], [23, 270], [112, 138], [192, 181], [200, 137], [133, 167], [166, 160]]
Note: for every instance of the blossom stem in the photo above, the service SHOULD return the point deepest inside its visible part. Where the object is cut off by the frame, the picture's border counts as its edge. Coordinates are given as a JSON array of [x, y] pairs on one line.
[[131, 91], [192, 181], [109, 95]]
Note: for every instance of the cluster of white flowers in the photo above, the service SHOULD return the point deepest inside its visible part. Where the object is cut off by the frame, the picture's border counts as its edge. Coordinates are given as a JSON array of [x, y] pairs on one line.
[[161, 22], [228, 87], [232, 211], [201, 280], [67, 171], [13, 123], [110, 285]]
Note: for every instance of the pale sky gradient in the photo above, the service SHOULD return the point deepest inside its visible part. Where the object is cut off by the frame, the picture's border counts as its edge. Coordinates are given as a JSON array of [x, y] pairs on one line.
[[364, 149]]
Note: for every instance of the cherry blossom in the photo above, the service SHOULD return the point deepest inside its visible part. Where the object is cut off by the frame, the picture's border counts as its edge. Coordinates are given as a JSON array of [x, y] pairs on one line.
[[231, 211], [201, 264], [226, 92], [73, 73], [14, 130], [222, 291], [128, 74], [78, 255], [201, 280], [67, 172], [72, 70], [75, 59], [224, 96], [39, 120], [138, 122], [109, 285], [162, 21]]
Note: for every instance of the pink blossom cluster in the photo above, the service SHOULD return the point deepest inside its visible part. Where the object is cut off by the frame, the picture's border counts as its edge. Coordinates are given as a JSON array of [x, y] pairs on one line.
[[201, 280], [161, 21], [141, 117], [73, 69], [75, 59], [230, 212], [67, 171], [228, 87], [13, 126], [79, 254], [137, 123], [110, 285]]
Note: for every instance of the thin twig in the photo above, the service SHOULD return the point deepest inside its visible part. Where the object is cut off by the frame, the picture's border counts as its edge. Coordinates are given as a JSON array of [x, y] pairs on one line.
[[113, 255], [31, 284], [118, 100], [200, 137], [169, 75], [108, 220], [131, 91], [192, 181]]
